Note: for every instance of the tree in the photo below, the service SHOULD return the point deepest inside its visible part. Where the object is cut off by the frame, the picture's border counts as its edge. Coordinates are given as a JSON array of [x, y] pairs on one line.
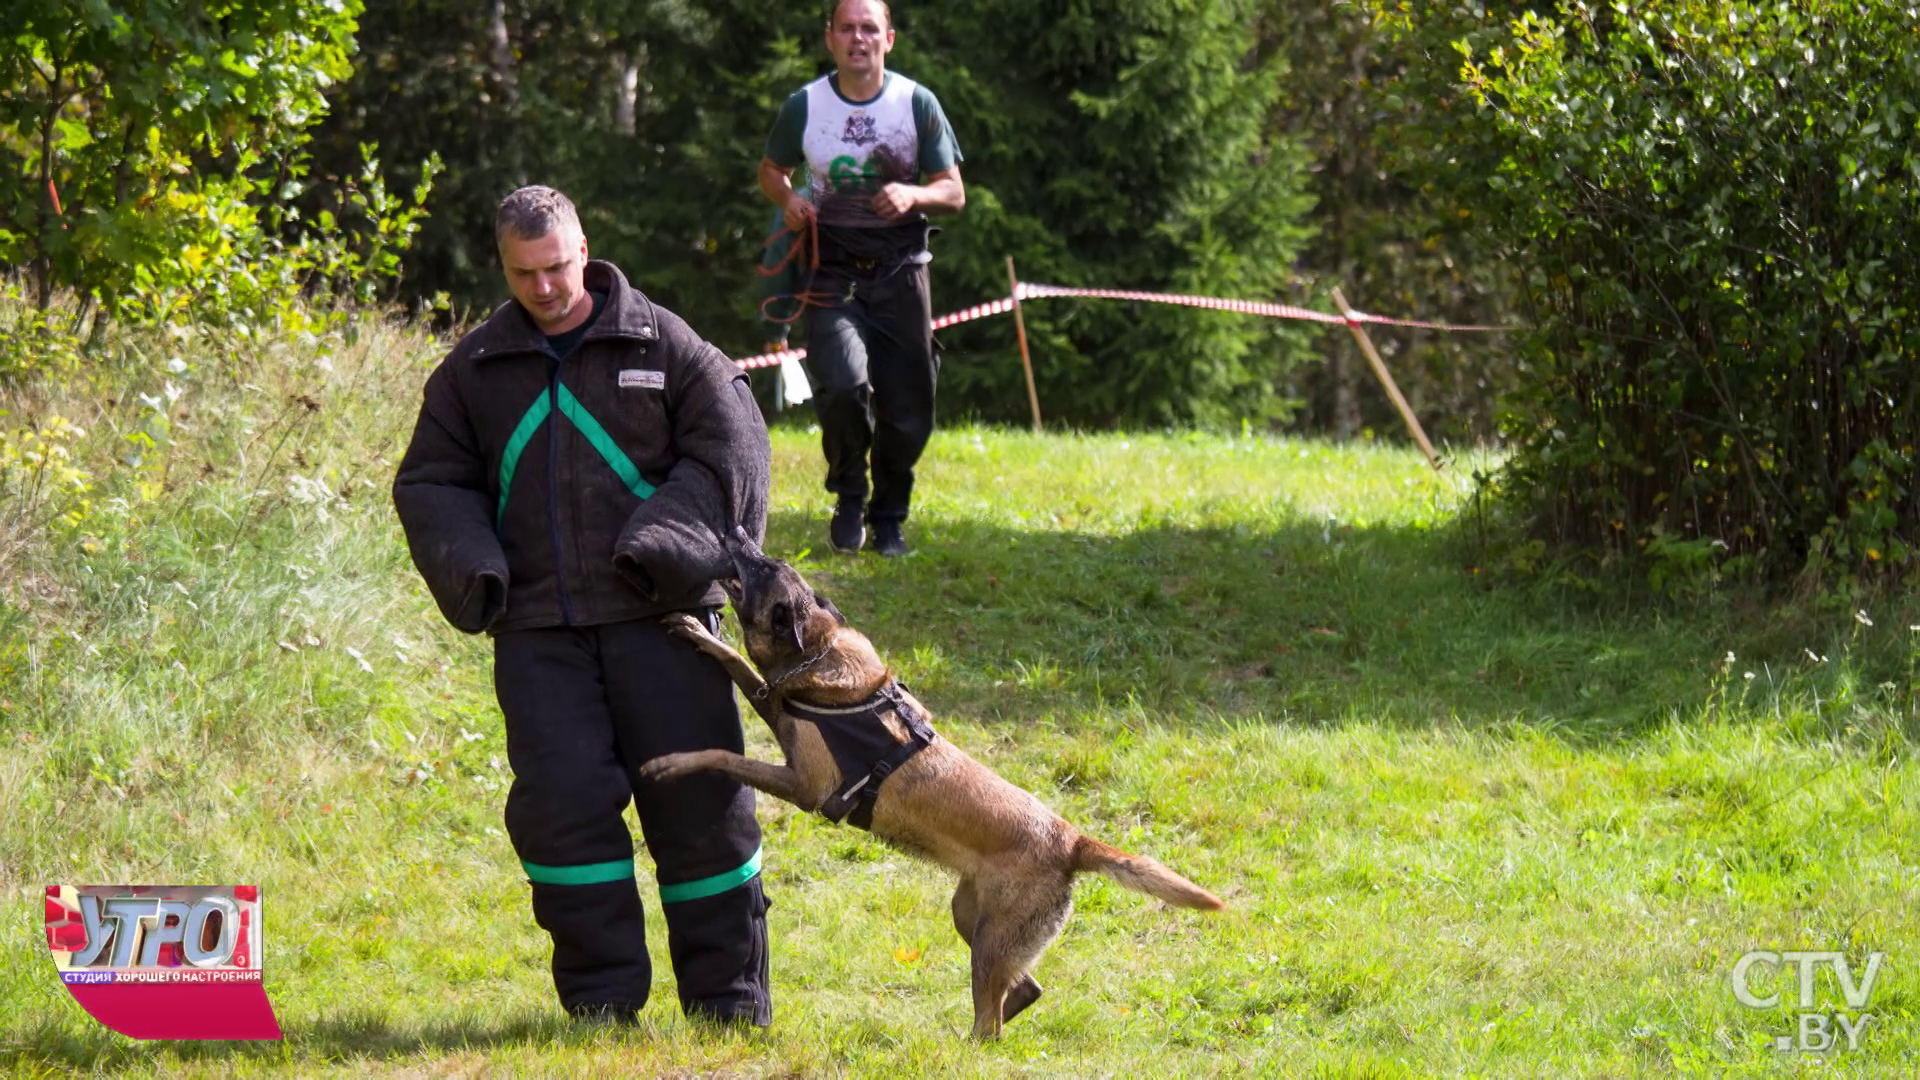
[[1372, 94], [1124, 145], [1118, 146], [649, 113], [133, 133], [1716, 209]]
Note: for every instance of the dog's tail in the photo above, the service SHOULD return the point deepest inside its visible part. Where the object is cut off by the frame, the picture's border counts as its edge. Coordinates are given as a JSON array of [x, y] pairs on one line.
[[1141, 874]]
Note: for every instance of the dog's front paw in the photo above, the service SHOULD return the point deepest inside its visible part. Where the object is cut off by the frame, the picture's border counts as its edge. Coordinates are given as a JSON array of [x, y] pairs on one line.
[[682, 625], [669, 767]]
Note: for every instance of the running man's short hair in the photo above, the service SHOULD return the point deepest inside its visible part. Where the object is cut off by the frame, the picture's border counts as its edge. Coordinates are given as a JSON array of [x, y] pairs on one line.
[[833, 9], [532, 212]]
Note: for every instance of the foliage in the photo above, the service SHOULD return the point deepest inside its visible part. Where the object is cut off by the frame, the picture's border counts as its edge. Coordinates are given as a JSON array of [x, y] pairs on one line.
[[34, 338], [1371, 94], [260, 263], [129, 134], [649, 113], [1122, 148], [1715, 204], [40, 485], [1123, 145]]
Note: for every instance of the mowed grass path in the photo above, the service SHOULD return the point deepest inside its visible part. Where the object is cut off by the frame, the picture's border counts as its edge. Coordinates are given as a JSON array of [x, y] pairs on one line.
[[1462, 829]]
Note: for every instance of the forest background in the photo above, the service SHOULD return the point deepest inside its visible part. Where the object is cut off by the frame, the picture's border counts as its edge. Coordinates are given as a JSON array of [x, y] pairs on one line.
[[1698, 216]]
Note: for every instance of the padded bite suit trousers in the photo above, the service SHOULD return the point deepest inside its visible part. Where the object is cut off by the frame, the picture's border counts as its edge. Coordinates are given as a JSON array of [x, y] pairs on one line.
[[585, 707]]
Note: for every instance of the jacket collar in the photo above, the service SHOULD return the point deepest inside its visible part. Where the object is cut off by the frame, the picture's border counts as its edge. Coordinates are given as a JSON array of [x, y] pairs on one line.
[[627, 314]]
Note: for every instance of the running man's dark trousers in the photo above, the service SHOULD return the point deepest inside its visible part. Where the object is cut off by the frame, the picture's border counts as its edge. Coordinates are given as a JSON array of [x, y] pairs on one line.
[[871, 360], [585, 708]]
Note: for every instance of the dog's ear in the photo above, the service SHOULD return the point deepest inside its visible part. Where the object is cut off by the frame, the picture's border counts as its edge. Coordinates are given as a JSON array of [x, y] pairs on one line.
[[783, 624], [826, 604]]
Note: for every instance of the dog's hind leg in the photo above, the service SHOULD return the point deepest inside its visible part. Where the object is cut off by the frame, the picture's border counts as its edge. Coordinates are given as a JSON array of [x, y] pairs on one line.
[[991, 981], [966, 915], [1017, 921], [778, 781]]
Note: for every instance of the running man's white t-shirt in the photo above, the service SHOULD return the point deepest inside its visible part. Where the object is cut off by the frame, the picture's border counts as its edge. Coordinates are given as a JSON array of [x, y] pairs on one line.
[[853, 149]]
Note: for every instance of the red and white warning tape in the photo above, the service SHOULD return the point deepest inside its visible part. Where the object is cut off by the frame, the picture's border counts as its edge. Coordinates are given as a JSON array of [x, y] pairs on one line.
[[1213, 303], [1028, 291], [977, 311], [772, 359]]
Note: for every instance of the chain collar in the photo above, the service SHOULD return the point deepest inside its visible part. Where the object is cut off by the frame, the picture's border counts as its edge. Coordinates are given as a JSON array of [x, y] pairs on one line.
[[797, 669]]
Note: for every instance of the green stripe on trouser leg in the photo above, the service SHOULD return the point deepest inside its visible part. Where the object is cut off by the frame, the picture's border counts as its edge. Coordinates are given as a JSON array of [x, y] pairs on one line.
[[712, 886], [585, 874]]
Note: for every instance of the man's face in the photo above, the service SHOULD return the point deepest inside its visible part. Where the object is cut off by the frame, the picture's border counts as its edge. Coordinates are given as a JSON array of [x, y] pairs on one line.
[[859, 37], [547, 275]]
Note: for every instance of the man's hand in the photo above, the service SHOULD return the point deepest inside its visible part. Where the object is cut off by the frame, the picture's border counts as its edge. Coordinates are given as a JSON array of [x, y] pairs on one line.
[[797, 211], [944, 193], [895, 200], [776, 183]]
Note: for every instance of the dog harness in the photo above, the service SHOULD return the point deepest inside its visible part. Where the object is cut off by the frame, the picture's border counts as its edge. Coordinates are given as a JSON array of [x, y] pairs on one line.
[[864, 748]]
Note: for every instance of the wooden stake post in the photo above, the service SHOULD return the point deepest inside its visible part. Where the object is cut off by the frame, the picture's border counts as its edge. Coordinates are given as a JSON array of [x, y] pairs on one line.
[[1380, 372], [1020, 331]]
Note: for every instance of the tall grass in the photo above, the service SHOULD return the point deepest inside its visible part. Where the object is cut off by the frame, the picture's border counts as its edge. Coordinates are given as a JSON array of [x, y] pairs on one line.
[[1464, 827]]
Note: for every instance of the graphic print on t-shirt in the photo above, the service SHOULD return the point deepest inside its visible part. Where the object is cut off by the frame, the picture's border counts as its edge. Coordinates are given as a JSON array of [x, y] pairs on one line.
[[859, 149], [853, 149], [862, 130]]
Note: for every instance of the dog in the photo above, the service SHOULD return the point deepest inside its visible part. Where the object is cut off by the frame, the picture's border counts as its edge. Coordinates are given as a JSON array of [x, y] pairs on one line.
[[832, 704]]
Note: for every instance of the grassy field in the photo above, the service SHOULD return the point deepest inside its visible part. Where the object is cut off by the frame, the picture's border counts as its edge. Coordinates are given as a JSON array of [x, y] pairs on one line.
[[1464, 827]]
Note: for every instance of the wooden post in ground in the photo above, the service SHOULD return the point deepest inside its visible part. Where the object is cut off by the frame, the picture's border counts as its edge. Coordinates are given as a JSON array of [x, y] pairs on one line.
[[1386, 380], [1020, 331]]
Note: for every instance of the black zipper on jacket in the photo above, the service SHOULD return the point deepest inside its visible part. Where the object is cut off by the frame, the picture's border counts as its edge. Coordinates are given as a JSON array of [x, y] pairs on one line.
[[553, 490]]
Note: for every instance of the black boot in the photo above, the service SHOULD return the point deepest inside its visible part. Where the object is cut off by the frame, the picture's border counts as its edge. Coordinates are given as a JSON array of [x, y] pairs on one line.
[[847, 531], [888, 540]]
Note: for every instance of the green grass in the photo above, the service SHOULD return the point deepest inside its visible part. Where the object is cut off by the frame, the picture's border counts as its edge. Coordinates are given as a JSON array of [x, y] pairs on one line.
[[1464, 828]]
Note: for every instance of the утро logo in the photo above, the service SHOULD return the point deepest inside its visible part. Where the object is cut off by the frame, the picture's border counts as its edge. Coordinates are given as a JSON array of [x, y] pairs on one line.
[[163, 961]]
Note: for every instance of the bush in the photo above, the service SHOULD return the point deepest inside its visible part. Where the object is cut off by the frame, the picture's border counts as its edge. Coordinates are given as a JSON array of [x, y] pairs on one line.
[[1715, 209], [156, 154]]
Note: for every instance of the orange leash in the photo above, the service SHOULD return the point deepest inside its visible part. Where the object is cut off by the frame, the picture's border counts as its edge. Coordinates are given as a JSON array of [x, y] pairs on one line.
[[808, 241]]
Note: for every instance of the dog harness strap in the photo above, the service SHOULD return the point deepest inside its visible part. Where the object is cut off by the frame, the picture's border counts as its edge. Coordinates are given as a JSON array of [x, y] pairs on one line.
[[863, 748]]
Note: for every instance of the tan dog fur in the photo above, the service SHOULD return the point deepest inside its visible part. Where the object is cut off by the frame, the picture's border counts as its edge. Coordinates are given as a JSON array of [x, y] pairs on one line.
[[1016, 858]]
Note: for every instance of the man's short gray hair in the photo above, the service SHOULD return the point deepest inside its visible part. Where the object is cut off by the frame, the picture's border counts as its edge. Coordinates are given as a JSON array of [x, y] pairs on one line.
[[834, 12], [532, 212]]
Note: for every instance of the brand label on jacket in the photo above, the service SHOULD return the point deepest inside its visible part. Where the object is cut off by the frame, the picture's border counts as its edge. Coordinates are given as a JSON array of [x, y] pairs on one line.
[[646, 380]]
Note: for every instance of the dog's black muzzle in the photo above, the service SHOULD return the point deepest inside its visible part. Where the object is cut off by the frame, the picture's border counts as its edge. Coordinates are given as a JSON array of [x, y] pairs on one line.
[[756, 571]]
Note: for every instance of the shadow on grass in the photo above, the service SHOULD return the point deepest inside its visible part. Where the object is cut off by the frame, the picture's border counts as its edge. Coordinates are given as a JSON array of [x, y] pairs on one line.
[[63, 1047], [1303, 624]]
